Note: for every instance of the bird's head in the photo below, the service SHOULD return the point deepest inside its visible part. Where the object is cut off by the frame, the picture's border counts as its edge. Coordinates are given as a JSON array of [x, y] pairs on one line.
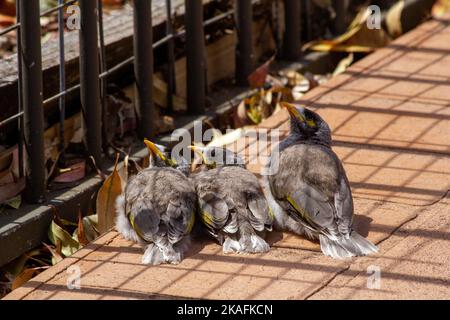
[[213, 157], [307, 124], [158, 155]]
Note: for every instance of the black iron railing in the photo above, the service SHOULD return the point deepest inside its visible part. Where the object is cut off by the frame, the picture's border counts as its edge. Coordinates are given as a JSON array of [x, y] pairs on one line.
[[94, 72]]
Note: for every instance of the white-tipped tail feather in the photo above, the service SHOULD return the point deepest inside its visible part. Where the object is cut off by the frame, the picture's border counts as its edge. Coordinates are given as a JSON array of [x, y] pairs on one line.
[[343, 248], [165, 252], [246, 244]]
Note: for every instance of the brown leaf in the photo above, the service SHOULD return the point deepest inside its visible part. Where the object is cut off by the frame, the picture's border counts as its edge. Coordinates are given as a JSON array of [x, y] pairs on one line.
[[8, 7], [165, 124], [357, 38], [258, 78], [106, 199], [6, 21], [123, 172], [9, 191], [394, 19], [74, 172], [240, 115], [343, 65], [99, 172], [82, 239], [10, 183], [56, 253], [25, 276], [440, 8]]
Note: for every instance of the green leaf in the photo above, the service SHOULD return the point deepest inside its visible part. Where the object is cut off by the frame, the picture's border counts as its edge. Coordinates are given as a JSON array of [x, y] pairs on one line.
[[90, 224], [68, 245], [14, 202]]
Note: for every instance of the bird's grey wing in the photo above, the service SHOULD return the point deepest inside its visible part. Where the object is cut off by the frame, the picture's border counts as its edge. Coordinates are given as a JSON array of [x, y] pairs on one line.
[[343, 202], [217, 213], [312, 208], [144, 220], [181, 216], [260, 216]]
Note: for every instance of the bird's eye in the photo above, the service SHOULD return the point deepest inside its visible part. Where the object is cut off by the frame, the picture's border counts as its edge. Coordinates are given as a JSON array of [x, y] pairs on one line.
[[213, 153]]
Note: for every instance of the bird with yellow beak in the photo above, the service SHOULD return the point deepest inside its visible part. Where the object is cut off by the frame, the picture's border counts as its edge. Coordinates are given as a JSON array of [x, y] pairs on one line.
[[232, 207], [157, 209], [310, 194]]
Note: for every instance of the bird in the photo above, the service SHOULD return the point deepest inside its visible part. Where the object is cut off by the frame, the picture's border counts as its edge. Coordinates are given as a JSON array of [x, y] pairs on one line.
[[308, 190], [231, 204], [157, 208]]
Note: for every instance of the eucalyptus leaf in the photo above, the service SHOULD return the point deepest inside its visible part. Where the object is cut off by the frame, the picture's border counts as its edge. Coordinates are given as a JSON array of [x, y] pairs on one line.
[[68, 245]]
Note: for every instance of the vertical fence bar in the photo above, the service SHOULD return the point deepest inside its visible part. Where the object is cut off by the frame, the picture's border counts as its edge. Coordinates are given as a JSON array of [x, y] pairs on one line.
[[341, 7], [292, 34], [195, 56], [19, 93], [276, 23], [171, 86], [143, 66], [308, 6], [244, 54], [62, 79], [30, 34], [89, 79], [103, 68]]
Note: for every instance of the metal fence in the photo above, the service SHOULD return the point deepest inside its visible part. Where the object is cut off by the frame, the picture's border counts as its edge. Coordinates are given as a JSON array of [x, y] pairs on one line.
[[94, 72]]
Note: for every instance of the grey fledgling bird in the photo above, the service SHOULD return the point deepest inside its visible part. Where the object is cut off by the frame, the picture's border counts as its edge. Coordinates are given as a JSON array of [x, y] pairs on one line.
[[310, 193], [157, 209], [231, 203]]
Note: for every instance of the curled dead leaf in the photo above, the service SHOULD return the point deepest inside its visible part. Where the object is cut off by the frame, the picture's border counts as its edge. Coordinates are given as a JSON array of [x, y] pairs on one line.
[[57, 234], [257, 78], [26, 275], [106, 199]]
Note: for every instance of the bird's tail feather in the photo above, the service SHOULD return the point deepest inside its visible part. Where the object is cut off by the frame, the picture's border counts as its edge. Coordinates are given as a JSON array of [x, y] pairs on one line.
[[165, 252], [231, 245], [153, 255], [247, 243], [365, 246], [258, 244], [343, 248]]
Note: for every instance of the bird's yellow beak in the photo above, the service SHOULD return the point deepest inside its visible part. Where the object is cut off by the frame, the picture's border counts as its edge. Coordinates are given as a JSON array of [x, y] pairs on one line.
[[197, 150], [153, 149], [295, 113]]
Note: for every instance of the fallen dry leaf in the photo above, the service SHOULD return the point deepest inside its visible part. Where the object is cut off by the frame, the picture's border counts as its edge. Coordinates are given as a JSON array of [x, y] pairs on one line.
[[257, 78], [394, 19], [57, 234], [56, 253], [81, 235], [357, 38], [440, 8], [106, 199], [73, 173], [343, 65], [23, 277]]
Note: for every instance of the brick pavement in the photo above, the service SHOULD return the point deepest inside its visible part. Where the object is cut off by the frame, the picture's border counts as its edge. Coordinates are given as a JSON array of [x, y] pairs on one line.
[[390, 116]]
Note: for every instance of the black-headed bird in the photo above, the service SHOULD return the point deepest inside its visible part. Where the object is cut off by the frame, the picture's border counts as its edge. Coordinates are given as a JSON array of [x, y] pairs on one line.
[[231, 203], [308, 190], [157, 208]]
